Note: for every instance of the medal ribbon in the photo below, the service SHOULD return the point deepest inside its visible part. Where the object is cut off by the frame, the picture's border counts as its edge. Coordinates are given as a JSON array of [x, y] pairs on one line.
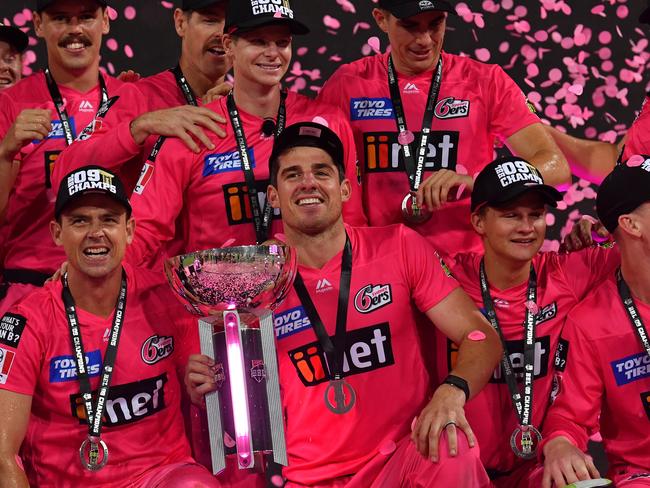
[[414, 171], [632, 311], [95, 413], [261, 217], [523, 404], [55, 94], [335, 352]]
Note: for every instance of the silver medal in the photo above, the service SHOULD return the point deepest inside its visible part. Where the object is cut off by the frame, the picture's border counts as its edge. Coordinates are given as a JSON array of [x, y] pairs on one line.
[[528, 440], [414, 214], [342, 403], [89, 453]]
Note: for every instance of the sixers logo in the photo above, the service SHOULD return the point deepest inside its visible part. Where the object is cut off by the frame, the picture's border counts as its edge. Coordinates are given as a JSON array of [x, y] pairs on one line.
[[450, 108], [372, 297], [156, 348]]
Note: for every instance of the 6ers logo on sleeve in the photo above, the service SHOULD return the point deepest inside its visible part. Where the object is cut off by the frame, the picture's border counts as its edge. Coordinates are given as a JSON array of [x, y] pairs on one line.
[[6, 359], [156, 348], [372, 297], [11, 329]]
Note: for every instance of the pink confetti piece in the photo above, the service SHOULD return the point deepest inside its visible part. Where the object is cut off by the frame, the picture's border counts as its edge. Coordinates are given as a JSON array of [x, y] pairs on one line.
[[277, 480], [415, 419], [635, 160], [129, 13], [476, 335], [331, 22], [387, 448], [532, 307]]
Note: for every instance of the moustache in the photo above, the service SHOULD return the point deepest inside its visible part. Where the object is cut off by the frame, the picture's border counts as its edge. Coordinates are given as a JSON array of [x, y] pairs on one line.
[[71, 39]]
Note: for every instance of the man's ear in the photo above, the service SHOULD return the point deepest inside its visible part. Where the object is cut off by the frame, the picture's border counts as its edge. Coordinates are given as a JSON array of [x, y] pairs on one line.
[[55, 232], [272, 196], [346, 190], [381, 18], [478, 222]]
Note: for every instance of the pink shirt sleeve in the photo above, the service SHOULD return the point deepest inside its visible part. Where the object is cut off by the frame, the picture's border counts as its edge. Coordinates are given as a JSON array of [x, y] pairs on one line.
[[638, 136], [585, 269]]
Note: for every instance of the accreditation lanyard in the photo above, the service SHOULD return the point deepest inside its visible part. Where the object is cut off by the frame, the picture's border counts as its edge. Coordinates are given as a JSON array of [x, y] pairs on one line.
[[261, 217], [94, 413], [190, 99], [414, 170], [523, 405], [632, 311], [60, 105]]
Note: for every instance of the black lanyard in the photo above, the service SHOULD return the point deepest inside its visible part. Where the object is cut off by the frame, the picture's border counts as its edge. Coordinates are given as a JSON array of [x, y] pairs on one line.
[[335, 352], [523, 405], [414, 171], [261, 218], [60, 105], [632, 311], [94, 414], [190, 99]]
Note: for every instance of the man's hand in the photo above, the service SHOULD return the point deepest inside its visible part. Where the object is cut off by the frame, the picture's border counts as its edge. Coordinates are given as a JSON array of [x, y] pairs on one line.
[[564, 463], [129, 76], [185, 122], [199, 378], [30, 125], [443, 186], [58, 273], [216, 92], [582, 234], [446, 406]]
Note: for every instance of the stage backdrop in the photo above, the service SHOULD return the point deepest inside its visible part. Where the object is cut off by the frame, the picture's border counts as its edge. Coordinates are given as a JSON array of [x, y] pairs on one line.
[[581, 63]]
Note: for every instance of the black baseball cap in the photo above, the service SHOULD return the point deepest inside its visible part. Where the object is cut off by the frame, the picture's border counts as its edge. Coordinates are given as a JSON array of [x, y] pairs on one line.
[[644, 18], [43, 4], [243, 15], [90, 180], [507, 178], [199, 4], [408, 8], [623, 190], [14, 37], [310, 134]]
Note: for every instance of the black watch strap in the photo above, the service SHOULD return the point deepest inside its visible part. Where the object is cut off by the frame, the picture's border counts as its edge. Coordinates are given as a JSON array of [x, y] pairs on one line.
[[459, 383]]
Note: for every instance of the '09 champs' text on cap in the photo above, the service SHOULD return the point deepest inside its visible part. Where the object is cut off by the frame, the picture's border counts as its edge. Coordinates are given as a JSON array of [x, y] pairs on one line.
[[623, 190], [242, 15], [90, 180], [403, 9], [507, 178]]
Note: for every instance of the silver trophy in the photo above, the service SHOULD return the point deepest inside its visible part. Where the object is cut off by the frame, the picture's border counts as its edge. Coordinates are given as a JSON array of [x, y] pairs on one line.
[[234, 289]]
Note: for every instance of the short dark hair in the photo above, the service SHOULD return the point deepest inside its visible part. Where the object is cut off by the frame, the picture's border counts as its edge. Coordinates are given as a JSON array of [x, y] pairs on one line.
[[274, 165]]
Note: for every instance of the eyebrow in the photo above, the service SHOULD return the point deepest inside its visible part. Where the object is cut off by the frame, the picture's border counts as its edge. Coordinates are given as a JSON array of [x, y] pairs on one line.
[[313, 166]]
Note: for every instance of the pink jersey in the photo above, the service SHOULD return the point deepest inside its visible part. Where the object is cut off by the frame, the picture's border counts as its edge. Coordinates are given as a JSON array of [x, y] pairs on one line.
[[208, 189], [562, 281], [477, 104], [607, 376], [638, 138], [28, 244], [143, 426], [110, 143], [395, 275]]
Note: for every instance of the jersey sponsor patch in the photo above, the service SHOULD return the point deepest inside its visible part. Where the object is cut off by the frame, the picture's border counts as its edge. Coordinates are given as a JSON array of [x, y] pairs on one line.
[[49, 160], [451, 108], [156, 348], [547, 312], [372, 297], [561, 355], [367, 349], [63, 368], [631, 368], [12, 326], [145, 176], [645, 400], [126, 403], [57, 132], [6, 360], [238, 205], [384, 154], [215, 164], [290, 322], [371, 108]]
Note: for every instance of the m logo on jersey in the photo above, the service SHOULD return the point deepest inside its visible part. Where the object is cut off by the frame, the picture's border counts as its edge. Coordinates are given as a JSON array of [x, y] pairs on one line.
[[238, 206], [6, 360], [367, 349], [63, 368], [156, 348], [86, 106], [323, 286], [450, 108], [371, 108], [384, 154], [126, 403], [215, 164], [290, 322], [516, 350], [631, 368], [411, 88], [145, 176], [372, 297], [11, 329]]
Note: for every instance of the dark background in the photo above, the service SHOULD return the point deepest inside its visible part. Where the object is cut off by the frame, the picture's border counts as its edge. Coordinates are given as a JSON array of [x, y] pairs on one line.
[[580, 62]]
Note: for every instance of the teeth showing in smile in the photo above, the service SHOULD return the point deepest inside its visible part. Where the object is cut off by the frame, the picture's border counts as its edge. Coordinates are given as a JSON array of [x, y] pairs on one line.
[[75, 45], [270, 67], [308, 201], [97, 251]]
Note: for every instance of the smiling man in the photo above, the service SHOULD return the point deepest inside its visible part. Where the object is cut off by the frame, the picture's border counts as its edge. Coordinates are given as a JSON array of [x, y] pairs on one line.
[[39, 117], [425, 122], [13, 42]]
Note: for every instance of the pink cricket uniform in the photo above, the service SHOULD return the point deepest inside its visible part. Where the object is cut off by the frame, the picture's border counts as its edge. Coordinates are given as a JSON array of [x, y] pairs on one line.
[[143, 426], [477, 104], [28, 244], [208, 190], [562, 281], [395, 276], [606, 383], [110, 144], [638, 138]]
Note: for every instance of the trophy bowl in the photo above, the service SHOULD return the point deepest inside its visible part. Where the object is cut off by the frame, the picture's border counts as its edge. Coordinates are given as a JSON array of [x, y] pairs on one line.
[[245, 278]]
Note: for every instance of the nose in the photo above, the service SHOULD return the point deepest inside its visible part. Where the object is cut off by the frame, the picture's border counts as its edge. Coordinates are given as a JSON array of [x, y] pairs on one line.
[[96, 229], [308, 180], [271, 49], [526, 225]]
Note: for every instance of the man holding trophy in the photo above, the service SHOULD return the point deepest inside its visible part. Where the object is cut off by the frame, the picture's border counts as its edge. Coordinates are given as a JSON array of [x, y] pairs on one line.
[[358, 406]]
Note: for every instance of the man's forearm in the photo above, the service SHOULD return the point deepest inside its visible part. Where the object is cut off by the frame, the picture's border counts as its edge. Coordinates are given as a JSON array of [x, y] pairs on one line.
[[11, 476], [477, 359]]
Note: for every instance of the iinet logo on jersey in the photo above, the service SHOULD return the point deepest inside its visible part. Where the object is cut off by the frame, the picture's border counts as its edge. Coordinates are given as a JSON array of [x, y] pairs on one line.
[[411, 88], [323, 285]]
